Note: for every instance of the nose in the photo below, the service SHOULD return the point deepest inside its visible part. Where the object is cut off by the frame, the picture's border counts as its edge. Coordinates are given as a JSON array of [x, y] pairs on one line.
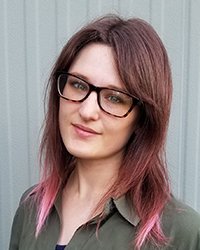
[[89, 108]]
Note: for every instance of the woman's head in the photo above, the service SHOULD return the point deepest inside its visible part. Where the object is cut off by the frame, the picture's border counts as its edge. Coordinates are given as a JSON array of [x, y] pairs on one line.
[[142, 66], [100, 124]]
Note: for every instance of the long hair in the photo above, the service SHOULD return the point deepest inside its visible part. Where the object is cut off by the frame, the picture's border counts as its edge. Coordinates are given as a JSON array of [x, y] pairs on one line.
[[143, 66]]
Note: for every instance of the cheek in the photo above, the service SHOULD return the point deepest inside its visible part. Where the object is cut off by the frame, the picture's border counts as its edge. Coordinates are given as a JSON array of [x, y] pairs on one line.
[[63, 116], [125, 136], [66, 109], [129, 126], [119, 133]]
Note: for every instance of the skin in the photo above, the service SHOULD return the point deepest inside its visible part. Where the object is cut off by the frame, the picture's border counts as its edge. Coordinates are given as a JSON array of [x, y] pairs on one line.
[[99, 153], [95, 62]]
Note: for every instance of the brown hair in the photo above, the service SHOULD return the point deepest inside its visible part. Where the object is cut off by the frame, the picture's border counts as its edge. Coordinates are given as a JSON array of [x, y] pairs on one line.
[[143, 66]]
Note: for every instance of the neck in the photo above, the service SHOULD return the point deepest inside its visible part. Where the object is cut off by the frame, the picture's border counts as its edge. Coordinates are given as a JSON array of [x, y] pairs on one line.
[[92, 179]]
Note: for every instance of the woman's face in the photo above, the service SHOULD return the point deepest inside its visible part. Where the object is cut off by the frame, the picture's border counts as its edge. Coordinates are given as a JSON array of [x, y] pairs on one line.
[[87, 131]]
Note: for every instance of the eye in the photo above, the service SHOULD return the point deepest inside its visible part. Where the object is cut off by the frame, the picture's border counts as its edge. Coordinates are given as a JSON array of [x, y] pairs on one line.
[[79, 85], [111, 97], [114, 99]]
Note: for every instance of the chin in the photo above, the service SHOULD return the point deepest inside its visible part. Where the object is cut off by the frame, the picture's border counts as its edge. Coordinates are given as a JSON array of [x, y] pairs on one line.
[[80, 153]]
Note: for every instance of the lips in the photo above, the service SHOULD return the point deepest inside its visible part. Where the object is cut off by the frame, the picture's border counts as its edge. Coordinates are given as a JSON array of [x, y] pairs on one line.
[[85, 129]]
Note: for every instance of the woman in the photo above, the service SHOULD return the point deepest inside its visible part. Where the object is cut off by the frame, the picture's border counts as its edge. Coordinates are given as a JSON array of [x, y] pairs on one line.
[[104, 181]]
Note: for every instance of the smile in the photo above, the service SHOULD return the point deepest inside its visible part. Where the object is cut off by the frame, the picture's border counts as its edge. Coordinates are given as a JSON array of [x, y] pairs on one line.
[[84, 131]]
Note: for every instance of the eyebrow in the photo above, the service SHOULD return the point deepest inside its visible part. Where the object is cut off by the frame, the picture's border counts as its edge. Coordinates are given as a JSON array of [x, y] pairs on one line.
[[85, 78], [82, 77]]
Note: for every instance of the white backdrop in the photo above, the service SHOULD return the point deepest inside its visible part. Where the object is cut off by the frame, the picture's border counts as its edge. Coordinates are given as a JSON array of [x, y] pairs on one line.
[[32, 33]]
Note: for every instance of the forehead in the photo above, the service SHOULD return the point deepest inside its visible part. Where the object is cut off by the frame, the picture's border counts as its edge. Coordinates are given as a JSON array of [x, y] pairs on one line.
[[96, 63]]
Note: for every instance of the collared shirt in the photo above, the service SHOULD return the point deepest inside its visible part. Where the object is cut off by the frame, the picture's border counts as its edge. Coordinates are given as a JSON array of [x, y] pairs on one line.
[[180, 223]]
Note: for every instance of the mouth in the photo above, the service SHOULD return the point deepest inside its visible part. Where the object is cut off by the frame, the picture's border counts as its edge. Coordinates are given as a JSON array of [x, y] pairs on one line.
[[85, 129]]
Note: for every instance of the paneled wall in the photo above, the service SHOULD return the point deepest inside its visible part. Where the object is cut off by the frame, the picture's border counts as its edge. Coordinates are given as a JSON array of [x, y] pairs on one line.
[[32, 33]]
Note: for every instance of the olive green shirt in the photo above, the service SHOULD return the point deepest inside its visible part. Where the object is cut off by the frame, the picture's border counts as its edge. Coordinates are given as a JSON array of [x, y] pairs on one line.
[[180, 223]]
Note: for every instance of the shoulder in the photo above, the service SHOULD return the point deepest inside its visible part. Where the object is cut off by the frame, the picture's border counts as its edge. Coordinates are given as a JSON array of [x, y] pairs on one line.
[[180, 213], [28, 194], [27, 207], [24, 219], [181, 224], [27, 204]]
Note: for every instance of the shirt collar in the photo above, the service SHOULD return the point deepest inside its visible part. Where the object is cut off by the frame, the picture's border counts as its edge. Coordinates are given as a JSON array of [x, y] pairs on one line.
[[58, 202], [126, 210], [122, 204]]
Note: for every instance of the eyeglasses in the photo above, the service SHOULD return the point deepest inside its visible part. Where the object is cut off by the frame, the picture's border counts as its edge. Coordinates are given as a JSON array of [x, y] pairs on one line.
[[112, 101]]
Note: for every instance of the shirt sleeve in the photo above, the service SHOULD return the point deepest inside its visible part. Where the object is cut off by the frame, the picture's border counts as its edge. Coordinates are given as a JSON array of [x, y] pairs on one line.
[[192, 242], [182, 227], [16, 229], [189, 228], [18, 222]]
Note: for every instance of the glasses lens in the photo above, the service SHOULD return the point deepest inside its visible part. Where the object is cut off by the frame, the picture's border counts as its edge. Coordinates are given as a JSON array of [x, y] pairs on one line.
[[72, 88], [115, 102]]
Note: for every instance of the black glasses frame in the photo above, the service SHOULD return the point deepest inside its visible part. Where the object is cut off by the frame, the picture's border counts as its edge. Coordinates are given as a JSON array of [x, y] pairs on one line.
[[135, 100]]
